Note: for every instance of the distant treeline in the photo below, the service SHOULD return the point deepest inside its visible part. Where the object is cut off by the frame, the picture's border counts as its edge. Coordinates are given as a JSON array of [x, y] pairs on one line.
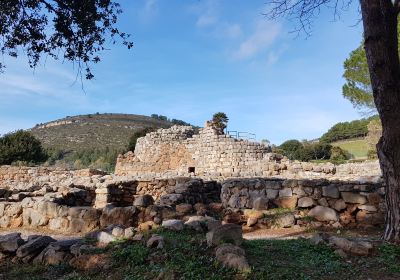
[[165, 118], [347, 130]]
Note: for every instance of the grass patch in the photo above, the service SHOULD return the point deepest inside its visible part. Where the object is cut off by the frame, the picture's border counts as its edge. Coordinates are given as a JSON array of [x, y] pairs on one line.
[[186, 256], [357, 148]]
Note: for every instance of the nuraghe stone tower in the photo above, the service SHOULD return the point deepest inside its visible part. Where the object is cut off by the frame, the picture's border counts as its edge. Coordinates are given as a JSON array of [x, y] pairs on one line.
[[181, 150]]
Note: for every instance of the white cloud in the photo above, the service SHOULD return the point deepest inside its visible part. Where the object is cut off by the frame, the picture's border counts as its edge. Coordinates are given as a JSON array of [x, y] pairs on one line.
[[265, 33]]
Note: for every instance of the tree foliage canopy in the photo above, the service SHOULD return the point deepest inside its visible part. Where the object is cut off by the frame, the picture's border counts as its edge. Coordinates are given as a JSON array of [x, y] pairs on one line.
[[220, 121], [358, 89], [306, 151], [70, 30], [21, 146], [347, 130]]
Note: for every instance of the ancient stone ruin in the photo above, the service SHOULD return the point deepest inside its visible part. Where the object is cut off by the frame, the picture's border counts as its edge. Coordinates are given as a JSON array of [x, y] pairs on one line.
[[179, 177]]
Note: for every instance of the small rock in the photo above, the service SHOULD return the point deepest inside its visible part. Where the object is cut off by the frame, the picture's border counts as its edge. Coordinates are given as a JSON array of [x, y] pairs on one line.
[[105, 237], [305, 202], [118, 232], [138, 237], [155, 241], [176, 225], [143, 200], [228, 233], [251, 221], [129, 232]]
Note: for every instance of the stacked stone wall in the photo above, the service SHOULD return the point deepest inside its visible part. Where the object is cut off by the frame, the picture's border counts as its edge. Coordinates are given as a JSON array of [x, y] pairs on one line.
[[343, 202], [179, 151]]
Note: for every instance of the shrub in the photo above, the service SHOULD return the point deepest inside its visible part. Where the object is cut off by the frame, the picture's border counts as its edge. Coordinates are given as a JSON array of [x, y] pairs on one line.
[[338, 154], [21, 146], [290, 148]]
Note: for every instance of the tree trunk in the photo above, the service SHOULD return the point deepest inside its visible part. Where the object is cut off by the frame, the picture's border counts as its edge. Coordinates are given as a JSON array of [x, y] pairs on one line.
[[380, 34]]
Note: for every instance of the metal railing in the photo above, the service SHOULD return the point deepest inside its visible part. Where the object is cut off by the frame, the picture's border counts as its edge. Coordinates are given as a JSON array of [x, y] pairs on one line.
[[242, 135]]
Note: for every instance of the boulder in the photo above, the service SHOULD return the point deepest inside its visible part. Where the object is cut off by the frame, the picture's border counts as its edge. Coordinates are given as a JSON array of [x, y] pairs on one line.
[[286, 192], [323, 214], [355, 198], [305, 202], [9, 243], [284, 220], [143, 200], [56, 253], [176, 225], [339, 205], [358, 248], [330, 191], [117, 215], [34, 246], [232, 256], [228, 233]]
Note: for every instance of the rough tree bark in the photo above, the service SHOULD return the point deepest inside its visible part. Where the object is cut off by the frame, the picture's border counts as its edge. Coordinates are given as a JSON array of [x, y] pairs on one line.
[[380, 34]]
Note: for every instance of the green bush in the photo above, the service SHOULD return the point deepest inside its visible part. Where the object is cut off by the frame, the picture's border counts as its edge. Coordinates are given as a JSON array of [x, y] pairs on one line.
[[295, 150], [104, 159], [21, 146], [290, 148], [338, 154]]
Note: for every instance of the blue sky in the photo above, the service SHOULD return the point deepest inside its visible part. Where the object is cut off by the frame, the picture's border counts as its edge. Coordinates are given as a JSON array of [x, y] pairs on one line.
[[193, 58]]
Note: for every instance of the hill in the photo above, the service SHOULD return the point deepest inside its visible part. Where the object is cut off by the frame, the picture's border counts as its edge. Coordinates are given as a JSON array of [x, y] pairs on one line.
[[93, 131]]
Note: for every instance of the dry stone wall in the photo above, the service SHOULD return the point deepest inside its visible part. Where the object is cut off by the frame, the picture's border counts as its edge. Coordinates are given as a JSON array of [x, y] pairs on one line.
[[337, 202], [180, 151]]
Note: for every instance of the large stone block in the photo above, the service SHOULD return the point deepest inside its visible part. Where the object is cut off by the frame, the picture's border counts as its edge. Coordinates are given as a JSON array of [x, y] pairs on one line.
[[356, 198], [323, 214]]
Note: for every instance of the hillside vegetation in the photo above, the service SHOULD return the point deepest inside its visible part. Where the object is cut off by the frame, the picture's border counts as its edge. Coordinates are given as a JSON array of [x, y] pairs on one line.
[[347, 130], [357, 148], [94, 131], [95, 140]]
